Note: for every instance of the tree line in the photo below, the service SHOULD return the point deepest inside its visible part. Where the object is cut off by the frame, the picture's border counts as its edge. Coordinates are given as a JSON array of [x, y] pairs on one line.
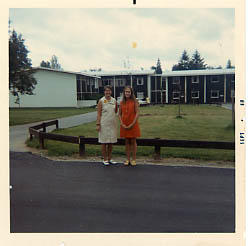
[[195, 62]]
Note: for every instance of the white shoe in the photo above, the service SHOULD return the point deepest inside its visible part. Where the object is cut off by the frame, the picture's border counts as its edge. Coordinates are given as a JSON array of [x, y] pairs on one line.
[[112, 162], [106, 163]]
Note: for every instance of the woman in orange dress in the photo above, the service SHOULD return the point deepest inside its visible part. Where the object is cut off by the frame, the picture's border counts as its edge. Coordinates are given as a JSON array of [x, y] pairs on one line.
[[129, 126]]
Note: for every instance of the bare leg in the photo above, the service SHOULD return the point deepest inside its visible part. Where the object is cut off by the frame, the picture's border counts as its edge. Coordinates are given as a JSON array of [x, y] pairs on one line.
[[134, 148], [110, 147], [104, 152], [128, 148]]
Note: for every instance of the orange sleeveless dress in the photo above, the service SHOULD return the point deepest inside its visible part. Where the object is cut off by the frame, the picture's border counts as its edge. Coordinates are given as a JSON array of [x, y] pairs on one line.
[[127, 117]]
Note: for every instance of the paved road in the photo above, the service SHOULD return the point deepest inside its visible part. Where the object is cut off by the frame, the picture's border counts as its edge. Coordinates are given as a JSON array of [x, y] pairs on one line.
[[57, 196], [19, 134]]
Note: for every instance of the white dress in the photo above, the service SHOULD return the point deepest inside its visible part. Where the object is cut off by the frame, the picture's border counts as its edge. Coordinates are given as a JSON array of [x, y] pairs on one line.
[[108, 130]]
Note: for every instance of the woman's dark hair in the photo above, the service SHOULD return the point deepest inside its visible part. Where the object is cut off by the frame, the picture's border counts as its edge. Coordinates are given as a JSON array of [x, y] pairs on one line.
[[132, 97], [107, 87]]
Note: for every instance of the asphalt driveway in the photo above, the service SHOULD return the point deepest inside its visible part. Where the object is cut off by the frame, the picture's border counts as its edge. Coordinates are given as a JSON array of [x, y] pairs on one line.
[[73, 196]]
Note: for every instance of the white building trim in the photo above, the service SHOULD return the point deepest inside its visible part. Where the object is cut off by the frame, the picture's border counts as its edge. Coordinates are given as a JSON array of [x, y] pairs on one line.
[[205, 89], [167, 90], [185, 89]]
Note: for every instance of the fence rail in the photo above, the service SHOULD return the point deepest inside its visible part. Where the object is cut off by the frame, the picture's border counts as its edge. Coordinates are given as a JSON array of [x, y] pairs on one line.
[[156, 142]]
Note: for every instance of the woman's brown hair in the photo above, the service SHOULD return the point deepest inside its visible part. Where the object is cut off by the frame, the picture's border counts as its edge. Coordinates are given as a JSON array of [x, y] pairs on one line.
[[132, 97], [107, 87]]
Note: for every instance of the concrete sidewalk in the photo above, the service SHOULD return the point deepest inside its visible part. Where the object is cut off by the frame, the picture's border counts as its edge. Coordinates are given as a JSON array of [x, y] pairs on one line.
[[19, 134], [227, 106]]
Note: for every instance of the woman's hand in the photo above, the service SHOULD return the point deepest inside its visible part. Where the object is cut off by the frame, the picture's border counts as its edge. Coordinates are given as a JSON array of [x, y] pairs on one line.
[[98, 127], [129, 126], [123, 125]]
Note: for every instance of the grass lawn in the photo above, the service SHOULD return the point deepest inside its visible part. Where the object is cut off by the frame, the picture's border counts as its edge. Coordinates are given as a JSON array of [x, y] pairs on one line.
[[203, 122], [18, 116]]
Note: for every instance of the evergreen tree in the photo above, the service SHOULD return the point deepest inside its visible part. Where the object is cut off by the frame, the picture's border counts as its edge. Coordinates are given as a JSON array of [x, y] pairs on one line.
[[175, 67], [158, 68], [21, 80], [184, 61], [197, 62], [229, 64], [54, 63], [45, 64]]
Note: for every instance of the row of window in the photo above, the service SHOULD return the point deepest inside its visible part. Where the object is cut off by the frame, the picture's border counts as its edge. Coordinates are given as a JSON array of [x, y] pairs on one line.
[[196, 94], [121, 82], [139, 95], [195, 79]]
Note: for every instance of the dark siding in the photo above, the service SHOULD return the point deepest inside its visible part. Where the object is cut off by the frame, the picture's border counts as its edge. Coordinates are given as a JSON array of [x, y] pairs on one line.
[[229, 86], [153, 83], [157, 89], [119, 88], [170, 89], [201, 88], [140, 88], [189, 89], [219, 86]]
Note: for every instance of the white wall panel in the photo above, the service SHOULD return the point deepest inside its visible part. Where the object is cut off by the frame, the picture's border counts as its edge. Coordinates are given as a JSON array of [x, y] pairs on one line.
[[53, 89]]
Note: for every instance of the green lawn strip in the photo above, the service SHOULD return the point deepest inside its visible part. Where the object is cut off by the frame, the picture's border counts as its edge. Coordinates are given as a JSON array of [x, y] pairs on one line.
[[206, 123], [19, 116], [66, 149]]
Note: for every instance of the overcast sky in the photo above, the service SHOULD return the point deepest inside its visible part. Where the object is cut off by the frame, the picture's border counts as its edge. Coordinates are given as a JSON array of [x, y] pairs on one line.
[[105, 38]]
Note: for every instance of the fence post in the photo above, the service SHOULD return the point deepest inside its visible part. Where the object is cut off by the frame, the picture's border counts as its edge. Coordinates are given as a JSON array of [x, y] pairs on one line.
[[57, 124], [31, 137], [41, 140], [44, 127], [157, 151], [81, 146]]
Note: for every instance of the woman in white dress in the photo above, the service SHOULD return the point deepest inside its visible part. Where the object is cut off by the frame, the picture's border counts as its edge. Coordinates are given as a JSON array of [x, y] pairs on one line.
[[106, 124]]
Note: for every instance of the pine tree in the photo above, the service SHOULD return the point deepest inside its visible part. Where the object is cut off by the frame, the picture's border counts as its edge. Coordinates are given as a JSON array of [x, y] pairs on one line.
[[197, 62], [54, 63], [184, 61], [45, 64], [158, 68], [21, 80], [229, 64]]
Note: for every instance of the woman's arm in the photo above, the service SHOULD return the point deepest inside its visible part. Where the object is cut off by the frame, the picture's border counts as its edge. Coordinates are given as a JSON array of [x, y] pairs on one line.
[[120, 114], [99, 115], [136, 110], [116, 107]]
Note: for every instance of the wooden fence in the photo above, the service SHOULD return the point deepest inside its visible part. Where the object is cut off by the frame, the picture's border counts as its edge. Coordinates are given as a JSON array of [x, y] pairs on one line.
[[156, 142]]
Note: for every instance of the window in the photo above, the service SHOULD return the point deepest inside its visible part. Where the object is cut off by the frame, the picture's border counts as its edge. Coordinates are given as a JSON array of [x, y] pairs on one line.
[[232, 93], [233, 78], [106, 82], [215, 94], [176, 81], [140, 81], [195, 94], [176, 95], [120, 82], [140, 95], [214, 79], [195, 79], [163, 83]]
